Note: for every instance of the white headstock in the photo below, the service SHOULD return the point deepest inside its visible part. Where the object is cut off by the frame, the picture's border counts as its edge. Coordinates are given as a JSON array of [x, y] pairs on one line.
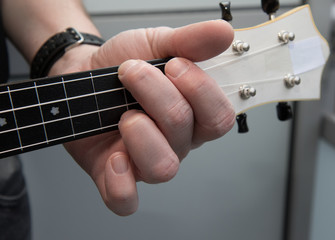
[[280, 60]]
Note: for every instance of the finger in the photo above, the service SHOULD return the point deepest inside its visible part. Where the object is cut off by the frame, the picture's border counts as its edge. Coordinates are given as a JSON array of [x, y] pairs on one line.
[[162, 101], [214, 114], [154, 159], [196, 42], [120, 185]]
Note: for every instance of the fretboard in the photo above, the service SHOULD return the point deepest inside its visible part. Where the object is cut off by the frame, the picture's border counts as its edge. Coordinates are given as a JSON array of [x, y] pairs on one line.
[[44, 112]]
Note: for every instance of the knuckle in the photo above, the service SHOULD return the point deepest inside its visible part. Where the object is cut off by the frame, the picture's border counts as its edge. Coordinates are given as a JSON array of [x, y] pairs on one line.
[[165, 170], [180, 115], [224, 122], [198, 87], [138, 71], [184, 151], [141, 73], [131, 119]]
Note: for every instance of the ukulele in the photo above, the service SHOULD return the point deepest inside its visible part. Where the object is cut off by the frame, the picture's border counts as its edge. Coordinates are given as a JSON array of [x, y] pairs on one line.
[[279, 60]]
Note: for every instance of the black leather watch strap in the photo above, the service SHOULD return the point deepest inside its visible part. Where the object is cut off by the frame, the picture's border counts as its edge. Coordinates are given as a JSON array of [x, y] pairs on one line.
[[56, 46]]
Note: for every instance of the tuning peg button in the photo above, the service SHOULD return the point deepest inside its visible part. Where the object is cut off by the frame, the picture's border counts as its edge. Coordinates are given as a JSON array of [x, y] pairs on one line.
[[284, 111], [242, 126], [270, 6], [225, 10]]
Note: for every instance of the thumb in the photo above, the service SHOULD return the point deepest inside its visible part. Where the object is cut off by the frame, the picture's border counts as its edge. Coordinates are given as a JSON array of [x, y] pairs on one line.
[[120, 185], [196, 42]]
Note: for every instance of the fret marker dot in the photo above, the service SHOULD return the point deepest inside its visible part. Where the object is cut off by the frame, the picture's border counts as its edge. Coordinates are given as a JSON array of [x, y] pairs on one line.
[[3, 122], [54, 111]]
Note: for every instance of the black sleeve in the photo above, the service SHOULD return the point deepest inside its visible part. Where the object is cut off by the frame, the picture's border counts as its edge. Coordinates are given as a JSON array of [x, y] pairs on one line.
[[3, 54]]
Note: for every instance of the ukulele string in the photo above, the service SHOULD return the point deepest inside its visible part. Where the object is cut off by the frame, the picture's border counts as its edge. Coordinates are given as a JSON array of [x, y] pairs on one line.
[[242, 56], [222, 86]]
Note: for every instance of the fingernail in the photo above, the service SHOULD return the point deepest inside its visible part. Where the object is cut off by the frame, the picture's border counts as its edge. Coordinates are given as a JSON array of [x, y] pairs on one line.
[[177, 67], [124, 67], [120, 164]]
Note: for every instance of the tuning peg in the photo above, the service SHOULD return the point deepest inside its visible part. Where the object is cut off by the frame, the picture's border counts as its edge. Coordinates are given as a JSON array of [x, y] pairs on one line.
[[270, 7], [240, 46], [284, 111], [291, 80], [242, 123], [225, 9], [247, 91], [285, 36]]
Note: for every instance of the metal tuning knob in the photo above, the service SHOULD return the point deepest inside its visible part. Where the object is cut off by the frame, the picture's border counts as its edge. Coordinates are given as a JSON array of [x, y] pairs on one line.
[[285, 36], [270, 7], [284, 111], [242, 126], [247, 91], [225, 10], [240, 46], [291, 80]]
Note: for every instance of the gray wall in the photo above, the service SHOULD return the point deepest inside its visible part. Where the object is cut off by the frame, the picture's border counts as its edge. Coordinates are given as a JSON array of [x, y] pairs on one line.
[[323, 209], [154, 5], [323, 221]]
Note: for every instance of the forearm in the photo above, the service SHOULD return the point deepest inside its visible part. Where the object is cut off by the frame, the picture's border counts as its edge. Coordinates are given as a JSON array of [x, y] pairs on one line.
[[29, 23]]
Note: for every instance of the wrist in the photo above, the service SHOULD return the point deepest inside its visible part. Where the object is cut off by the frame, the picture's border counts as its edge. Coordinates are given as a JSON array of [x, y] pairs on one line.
[[75, 60]]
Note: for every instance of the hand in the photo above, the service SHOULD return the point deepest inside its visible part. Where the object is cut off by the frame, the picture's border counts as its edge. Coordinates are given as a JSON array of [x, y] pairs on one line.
[[184, 108]]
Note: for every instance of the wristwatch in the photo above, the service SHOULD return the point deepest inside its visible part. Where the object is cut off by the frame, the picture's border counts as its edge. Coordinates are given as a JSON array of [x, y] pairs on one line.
[[56, 46]]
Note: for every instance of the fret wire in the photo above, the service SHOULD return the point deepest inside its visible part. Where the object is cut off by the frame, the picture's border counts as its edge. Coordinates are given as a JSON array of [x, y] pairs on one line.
[[68, 107], [16, 125], [96, 100], [70, 117], [57, 139], [39, 103], [125, 98]]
